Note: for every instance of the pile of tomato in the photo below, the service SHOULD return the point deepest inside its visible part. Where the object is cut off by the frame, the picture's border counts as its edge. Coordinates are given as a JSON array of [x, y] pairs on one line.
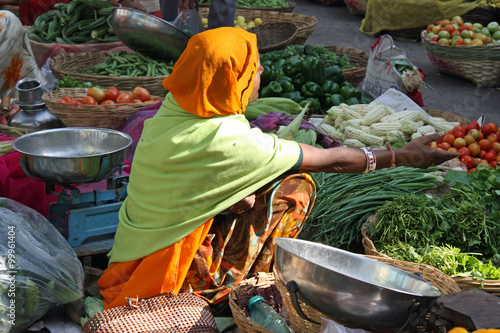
[[112, 95], [478, 145]]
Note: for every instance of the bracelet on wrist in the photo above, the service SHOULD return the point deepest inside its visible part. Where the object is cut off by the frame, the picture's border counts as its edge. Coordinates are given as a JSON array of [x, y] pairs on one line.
[[393, 157], [371, 160]]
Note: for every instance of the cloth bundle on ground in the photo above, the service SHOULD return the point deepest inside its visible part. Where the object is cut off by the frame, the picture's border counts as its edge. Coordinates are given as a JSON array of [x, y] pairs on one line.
[[382, 15]]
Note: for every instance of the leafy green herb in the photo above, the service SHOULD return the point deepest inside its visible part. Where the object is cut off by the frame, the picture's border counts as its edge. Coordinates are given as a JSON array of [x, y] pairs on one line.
[[70, 82]]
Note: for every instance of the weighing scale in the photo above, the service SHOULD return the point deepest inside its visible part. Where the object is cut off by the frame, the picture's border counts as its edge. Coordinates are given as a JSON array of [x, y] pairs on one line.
[[83, 167], [88, 220]]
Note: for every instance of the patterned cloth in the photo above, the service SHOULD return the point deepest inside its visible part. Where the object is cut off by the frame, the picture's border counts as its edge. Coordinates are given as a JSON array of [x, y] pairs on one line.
[[221, 253]]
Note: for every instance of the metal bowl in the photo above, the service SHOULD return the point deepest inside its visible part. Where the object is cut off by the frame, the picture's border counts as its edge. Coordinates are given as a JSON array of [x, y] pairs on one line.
[[72, 155], [354, 290], [148, 34]]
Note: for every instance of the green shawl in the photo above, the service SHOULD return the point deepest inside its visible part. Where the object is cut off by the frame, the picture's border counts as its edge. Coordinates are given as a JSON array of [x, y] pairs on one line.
[[186, 170]]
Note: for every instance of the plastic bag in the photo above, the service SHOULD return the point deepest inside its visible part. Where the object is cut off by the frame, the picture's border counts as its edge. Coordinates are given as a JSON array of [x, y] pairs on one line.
[[193, 24], [381, 75], [38, 268], [329, 326]]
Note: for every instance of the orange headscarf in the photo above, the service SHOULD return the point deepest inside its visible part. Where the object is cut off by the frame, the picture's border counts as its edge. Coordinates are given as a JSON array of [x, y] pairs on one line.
[[215, 73]]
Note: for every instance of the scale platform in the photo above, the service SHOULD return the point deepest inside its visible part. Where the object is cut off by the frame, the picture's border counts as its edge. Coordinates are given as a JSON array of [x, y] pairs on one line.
[[88, 218]]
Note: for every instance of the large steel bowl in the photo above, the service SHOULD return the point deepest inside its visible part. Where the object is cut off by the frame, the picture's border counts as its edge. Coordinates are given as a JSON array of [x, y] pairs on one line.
[[148, 34], [354, 290], [72, 155]]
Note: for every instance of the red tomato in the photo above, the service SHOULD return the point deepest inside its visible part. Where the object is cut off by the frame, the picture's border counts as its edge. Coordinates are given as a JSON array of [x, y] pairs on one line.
[[495, 146], [458, 134], [459, 143], [124, 97], [494, 127], [468, 161], [469, 139], [490, 156], [485, 144], [482, 154], [141, 93], [108, 102], [474, 149], [486, 129], [453, 149], [62, 101], [136, 101], [444, 145], [464, 151], [96, 93], [449, 138], [475, 125], [67, 98], [89, 100], [111, 94], [494, 164], [492, 137]]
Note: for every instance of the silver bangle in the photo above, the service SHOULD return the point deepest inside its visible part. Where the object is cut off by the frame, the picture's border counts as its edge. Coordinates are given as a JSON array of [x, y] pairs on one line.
[[371, 160]]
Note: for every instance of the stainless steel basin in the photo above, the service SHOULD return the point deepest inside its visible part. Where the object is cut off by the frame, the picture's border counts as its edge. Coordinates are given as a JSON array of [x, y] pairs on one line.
[[72, 155], [352, 289]]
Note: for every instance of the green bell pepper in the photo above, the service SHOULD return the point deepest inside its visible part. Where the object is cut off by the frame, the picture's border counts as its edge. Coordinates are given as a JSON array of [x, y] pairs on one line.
[[294, 96], [298, 81], [348, 92], [312, 89], [293, 65], [330, 87], [334, 73], [334, 100], [314, 104], [273, 89], [314, 70], [286, 84], [365, 100], [278, 68], [269, 73], [352, 101]]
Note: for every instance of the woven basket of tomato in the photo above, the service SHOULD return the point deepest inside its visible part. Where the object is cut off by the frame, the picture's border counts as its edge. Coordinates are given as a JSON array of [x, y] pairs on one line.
[[465, 49], [95, 107]]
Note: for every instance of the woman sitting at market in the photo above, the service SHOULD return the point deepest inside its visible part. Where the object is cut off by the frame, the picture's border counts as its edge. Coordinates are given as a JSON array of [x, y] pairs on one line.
[[208, 194]]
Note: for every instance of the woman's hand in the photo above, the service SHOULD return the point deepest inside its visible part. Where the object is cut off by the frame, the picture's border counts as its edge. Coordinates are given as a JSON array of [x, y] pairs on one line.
[[418, 154], [242, 206]]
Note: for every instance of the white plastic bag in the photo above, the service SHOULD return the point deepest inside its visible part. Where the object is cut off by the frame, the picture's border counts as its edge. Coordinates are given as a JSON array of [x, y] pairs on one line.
[[38, 268], [329, 326], [192, 25], [380, 74]]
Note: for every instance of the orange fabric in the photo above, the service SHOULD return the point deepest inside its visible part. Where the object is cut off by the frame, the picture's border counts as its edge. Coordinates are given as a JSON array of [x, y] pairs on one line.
[[162, 271], [215, 73]]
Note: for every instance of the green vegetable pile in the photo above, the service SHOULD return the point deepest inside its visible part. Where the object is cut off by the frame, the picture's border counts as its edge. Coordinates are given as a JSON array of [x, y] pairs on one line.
[[130, 65], [448, 231], [345, 201], [78, 22], [308, 74], [256, 3], [69, 81]]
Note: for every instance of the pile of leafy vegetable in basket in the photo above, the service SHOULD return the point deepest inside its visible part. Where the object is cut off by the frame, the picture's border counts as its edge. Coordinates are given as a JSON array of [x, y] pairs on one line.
[[308, 73], [457, 232], [345, 201]]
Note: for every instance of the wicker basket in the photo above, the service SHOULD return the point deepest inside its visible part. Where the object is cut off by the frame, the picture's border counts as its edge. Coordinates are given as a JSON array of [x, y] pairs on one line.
[[447, 116], [104, 116], [305, 24], [68, 63], [300, 325], [274, 35], [356, 7], [289, 8], [479, 64], [239, 296], [357, 58]]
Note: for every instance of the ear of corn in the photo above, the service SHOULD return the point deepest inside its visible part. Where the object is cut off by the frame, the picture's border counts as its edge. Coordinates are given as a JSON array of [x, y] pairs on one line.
[[374, 115], [381, 129], [400, 116], [353, 143], [426, 129]]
